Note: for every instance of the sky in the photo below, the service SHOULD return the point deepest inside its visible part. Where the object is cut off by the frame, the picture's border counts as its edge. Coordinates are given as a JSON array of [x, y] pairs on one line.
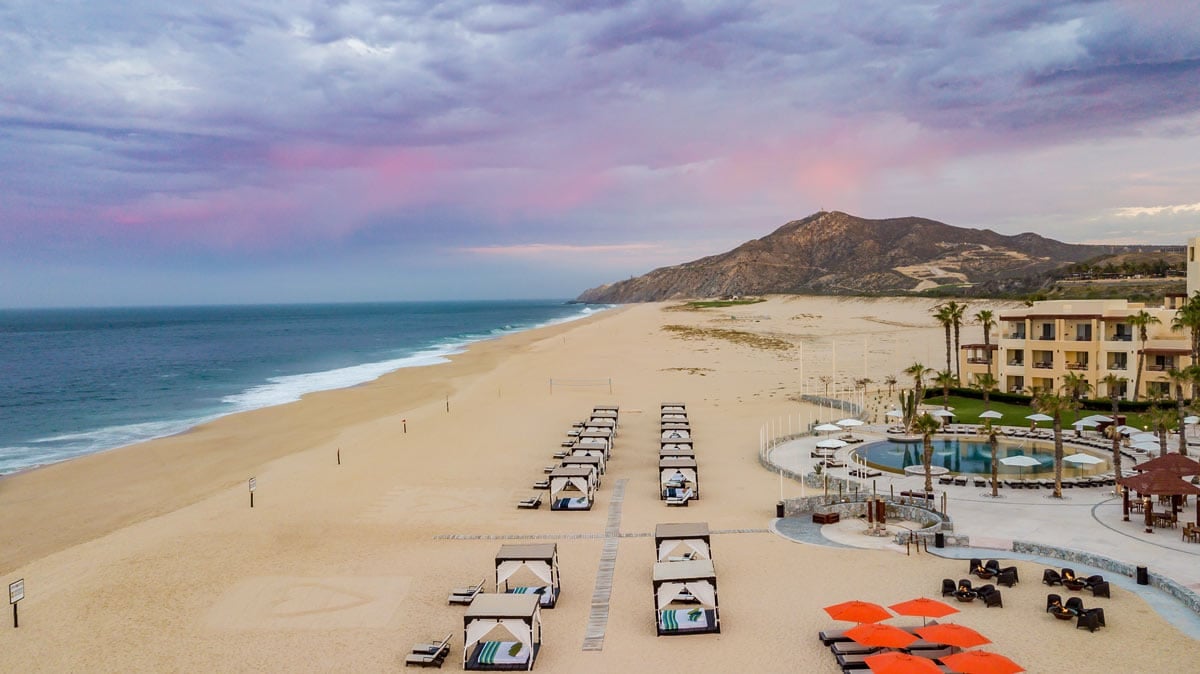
[[286, 151]]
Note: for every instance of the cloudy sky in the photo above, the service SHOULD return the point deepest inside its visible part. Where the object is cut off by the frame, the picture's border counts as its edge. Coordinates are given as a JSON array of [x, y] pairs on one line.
[[272, 150]]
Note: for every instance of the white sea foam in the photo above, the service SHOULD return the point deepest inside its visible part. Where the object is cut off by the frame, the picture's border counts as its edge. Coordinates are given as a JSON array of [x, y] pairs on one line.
[[275, 391]]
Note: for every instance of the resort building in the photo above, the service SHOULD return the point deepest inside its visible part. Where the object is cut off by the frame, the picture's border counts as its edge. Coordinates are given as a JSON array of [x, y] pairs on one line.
[[1033, 348]]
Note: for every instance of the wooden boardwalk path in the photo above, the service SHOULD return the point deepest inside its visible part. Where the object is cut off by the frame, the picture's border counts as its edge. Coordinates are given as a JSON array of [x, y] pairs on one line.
[[593, 636]]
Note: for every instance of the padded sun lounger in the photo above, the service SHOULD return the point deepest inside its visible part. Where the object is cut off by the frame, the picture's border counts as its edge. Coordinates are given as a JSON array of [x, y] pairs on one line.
[[465, 595], [531, 503], [429, 655]]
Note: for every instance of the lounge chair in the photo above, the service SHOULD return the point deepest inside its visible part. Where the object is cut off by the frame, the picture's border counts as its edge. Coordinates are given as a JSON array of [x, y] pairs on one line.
[[991, 598], [531, 503], [948, 587], [1100, 589], [992, 566], [1007, 576], [1075, 605], [852, 648], [946, 479], [680, 500], [465, 595], [1053, 601], [1091, 619], [980, 482], [1051, 577], [541, 484], [960, 481], [829, 637], [429, 655], [975, 567]]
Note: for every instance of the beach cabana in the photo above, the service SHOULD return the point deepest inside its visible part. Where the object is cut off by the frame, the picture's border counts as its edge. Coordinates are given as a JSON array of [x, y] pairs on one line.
[[685, 597], [685, 443], [606, 413], [675, 434], [601, 425], [682, 542], [684, 425], [590, 449], [502, 632], [673, 416], [529, 568], [572, 488], [676, 476], [604, 436], [596, 462], [672, 407], [677, 451], [591, 446]]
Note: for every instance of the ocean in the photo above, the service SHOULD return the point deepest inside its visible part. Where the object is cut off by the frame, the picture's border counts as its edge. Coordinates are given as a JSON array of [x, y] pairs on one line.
[[78, 381]]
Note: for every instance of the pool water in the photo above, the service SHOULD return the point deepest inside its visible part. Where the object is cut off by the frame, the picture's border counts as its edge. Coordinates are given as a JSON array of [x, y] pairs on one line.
[[971, 457]]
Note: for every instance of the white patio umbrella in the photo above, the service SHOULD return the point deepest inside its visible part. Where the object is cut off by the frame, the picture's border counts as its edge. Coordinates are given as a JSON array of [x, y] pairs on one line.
[[831, 443], [1089, 423], [828, 428], [1020, 461], [1039, 417], [1127, 430], [991, 414], [1191, 421], [1080, 460], [849, 422], [941, 413], [1143, 437], [896, 414], [1147, 446], [1099, 418]]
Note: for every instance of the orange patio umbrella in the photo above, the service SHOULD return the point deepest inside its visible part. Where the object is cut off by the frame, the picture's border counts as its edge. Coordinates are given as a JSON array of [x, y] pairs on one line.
[[858, 612], [924, 607], [880, 636], [981, 662], [953, 635], [900, 663]]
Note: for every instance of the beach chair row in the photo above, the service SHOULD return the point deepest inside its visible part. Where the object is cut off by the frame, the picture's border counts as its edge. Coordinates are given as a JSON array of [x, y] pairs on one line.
[[684, 580], [572, 482], [678, 472]]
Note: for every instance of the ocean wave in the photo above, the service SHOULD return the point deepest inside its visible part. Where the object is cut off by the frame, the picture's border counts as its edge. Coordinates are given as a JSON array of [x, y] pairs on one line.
[[56, 448]]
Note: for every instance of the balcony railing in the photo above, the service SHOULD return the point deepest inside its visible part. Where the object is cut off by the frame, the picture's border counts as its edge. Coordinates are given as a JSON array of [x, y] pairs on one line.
[[978, 361], [1118, 366], [1154, 367], [1045, 338], [1121, 338], [1077, 366], [1044, 366], [1017, 363], [1013, 335]]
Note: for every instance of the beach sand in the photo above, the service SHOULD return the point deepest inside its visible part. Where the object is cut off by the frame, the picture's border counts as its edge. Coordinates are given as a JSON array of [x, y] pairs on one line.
[[149, 558]]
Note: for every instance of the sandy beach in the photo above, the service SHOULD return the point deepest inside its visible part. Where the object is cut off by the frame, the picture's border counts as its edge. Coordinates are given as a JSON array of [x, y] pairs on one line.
[[149, 558]]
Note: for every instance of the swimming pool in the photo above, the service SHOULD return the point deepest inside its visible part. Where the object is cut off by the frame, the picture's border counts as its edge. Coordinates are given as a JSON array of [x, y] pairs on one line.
[[972, 457]]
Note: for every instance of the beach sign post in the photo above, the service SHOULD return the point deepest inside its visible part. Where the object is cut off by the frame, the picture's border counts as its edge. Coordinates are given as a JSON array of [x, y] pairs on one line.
[[253, 484], [16, 592]]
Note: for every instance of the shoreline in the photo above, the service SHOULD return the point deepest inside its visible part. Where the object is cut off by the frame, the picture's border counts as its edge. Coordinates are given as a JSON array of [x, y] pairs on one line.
[[145, 461]]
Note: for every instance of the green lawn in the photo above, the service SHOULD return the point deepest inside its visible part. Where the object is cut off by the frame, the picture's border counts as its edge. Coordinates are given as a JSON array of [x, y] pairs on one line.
[[967, 411]]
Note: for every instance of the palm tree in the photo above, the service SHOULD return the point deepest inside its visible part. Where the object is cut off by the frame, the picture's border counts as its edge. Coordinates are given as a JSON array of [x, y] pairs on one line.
[[945, 379], [986, 383], [1160, 418], [944, 314], [1076, 386], [890, 380], [986, 320], [1187, 317], [927, 425], [918, 372], [1141, 320], [956, 318], [1112, 382], [1178, 379], [1050, 403]]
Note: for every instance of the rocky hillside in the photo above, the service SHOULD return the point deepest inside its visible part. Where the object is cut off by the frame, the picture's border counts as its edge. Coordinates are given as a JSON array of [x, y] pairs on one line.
[[836, 253]]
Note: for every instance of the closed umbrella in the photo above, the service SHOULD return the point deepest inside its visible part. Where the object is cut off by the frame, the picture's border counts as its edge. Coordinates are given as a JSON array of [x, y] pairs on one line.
[[858, 612], [981, 662], [952, 634], [894, 662], [880, 636]]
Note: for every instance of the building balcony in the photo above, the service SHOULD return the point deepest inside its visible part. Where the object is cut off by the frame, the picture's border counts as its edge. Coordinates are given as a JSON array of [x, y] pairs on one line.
[[1045, 338], [1077, 366], [1044, 366], [1014, 335], [1121, 338], [1016, 363], [1118, 366], [978, 361]]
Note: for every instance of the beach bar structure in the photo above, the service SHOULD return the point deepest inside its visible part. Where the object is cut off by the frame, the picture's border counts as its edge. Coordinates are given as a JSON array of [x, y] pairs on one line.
[[572, 488], [682, 542], [685, 597], [529, 568], [502, 632], [595, 461], [676, 476]]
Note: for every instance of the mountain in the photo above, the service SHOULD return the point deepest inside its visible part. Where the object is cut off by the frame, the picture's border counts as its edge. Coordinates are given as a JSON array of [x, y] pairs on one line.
[[833, 253]]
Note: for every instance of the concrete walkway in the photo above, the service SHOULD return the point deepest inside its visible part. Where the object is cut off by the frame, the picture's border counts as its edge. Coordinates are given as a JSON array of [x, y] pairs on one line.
[[1086, 519]]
